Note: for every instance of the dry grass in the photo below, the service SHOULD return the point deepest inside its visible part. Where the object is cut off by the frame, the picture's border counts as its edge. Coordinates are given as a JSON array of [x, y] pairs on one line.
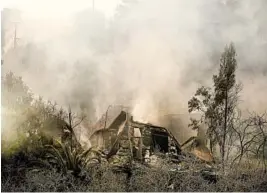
[[144, 179]]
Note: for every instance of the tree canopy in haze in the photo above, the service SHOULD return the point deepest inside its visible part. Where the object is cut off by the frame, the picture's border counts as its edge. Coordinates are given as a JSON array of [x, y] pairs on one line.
[[218, 103]]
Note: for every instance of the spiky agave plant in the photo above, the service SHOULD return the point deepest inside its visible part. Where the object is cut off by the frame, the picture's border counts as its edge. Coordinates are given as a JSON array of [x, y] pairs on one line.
[[69, 159]]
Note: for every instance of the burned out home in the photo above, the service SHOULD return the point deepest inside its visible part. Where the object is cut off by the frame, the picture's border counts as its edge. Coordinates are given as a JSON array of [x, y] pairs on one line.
[[118, 134]]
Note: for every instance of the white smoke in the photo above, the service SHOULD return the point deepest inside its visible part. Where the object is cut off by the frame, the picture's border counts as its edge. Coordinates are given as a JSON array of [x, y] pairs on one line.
[[152, 56]]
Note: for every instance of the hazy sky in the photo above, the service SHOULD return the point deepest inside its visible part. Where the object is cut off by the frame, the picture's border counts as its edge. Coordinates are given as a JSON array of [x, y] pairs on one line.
[[40, 15], [152, 57], [58, 8]]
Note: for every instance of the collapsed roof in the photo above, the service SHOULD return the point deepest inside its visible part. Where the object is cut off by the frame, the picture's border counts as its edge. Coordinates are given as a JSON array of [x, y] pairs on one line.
[[107, 132]]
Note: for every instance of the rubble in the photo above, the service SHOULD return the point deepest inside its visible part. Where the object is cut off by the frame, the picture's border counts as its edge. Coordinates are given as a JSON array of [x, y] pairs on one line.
[[129, 143]]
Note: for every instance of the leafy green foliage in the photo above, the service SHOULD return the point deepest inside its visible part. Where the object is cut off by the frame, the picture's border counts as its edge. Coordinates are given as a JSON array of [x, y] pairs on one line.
[[16, 100], [36, 123], [73, 160], [15, 93], [28, 123]]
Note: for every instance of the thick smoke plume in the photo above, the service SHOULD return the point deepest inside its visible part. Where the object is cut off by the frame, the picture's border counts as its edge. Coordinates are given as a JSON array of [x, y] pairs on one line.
[[152, 55]]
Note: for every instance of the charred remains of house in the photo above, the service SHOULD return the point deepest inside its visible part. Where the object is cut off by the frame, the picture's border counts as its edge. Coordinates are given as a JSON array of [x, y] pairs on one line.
[[119, 135]]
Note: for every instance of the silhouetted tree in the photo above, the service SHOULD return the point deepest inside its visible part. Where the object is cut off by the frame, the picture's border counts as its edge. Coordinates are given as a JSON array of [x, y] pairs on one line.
[[219, 103]]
